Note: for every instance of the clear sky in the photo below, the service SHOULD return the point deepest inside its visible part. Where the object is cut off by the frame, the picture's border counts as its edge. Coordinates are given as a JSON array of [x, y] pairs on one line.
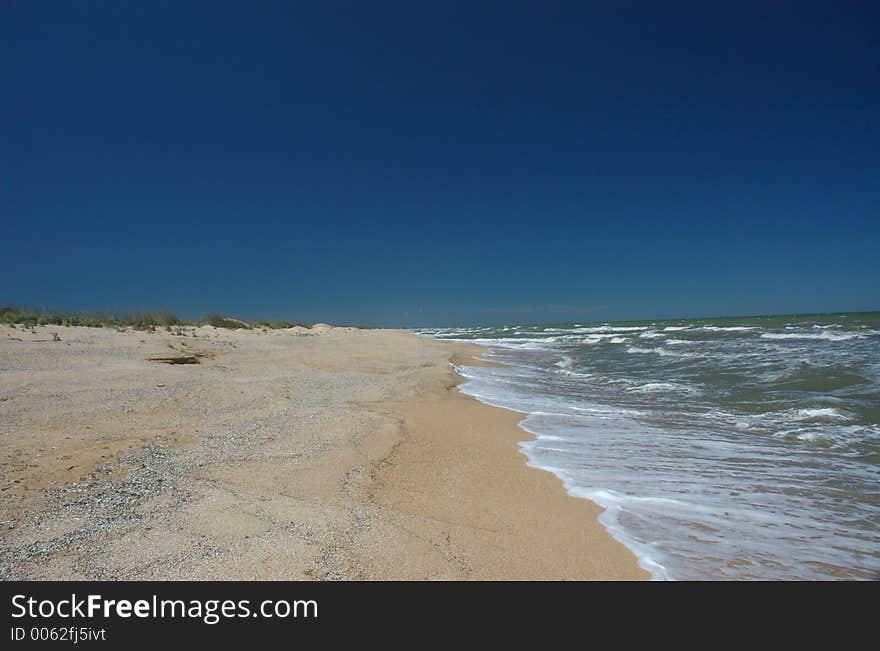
[[437, 163]]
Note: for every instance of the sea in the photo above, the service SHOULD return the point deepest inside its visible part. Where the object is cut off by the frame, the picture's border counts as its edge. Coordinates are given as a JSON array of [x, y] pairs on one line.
[[719, 449]]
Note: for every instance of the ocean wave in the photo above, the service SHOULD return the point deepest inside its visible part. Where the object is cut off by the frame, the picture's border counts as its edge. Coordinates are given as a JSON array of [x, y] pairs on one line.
[[591, 339], [816, 438], [662, 387], [659, 351], [533, 343], [609, 329], [576, 374], [550, 437], [825, 334], [552, 414], [816, 415], [565, 362], [728, 328]]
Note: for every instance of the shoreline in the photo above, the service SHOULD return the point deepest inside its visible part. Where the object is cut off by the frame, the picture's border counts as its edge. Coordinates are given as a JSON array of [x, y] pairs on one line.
[[476, 360], [494, 499], [334, 454]]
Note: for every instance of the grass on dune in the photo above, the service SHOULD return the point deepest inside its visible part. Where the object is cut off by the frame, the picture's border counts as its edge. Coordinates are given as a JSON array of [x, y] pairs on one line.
[[136, 319]]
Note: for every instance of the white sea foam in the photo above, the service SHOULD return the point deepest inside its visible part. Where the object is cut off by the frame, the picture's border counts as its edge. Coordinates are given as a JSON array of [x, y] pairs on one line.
[[820, 415], [610, 329], [522, 343], [825, 334], [814, 437], [595, 338], [549, 437], [659, 351], [571, 373], [662, 387], [565, 362], [728, 328]]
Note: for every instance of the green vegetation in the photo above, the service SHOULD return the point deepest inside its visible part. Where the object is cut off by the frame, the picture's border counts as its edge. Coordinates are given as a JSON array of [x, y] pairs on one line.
[[137, 319], [279, 325]]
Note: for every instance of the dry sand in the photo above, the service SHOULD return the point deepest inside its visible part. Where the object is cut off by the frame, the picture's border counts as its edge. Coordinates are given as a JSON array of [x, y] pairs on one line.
[[330, 453]]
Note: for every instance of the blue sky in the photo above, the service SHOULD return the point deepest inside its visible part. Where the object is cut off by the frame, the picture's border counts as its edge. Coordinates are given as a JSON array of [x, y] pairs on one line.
[[449, 163]]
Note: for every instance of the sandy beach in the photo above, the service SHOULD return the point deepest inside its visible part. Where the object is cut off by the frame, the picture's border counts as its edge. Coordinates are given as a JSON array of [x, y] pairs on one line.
[[304, 454]]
